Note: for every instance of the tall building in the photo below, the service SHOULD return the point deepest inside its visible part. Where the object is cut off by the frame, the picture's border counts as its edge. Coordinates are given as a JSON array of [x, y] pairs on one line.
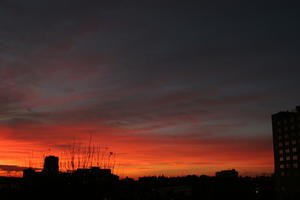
[[51, 164], [286, 145]]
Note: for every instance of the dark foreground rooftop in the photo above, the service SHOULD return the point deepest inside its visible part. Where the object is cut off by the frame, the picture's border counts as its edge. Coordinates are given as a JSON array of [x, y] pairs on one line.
[[82, 185]]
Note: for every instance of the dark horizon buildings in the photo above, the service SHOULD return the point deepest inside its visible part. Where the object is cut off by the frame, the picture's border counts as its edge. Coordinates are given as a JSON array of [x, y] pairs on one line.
[[51, 167], [286, 144], [99, 183], [83, 183], [227, 173]]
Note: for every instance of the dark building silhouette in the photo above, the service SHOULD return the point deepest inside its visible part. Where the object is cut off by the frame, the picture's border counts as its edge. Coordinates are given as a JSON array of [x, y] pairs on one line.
[[98, 183], [227, 173], [286, 144], [51, 164], [28, 173], [87, 183]]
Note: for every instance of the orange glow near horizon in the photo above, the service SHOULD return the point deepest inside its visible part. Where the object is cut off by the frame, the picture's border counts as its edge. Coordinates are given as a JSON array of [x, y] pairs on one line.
[[136, 154]]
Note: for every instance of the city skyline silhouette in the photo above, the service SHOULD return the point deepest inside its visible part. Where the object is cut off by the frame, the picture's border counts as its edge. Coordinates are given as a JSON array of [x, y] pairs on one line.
[[149, 89]]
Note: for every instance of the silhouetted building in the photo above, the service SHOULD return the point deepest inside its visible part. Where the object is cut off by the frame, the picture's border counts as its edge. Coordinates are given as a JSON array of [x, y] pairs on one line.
[[93, 171], [227, 173], [286, 143], [92, 183], [27, 173], [51, 164], [95, 174]]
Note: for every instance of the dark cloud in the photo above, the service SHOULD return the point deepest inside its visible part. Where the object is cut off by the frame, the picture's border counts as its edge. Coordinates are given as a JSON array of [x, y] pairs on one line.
[[10, 168]]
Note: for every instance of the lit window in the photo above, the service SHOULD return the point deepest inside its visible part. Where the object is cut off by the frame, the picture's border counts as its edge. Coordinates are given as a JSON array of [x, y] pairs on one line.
[[294, 142], [288, 158], [281, 159], [281, 152], [294, 149], [287, 151], [282, 166], [295, 157], [295, 165]]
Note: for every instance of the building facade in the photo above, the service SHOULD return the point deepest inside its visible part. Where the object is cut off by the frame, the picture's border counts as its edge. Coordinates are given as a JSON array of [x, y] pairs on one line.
[[286, 145]]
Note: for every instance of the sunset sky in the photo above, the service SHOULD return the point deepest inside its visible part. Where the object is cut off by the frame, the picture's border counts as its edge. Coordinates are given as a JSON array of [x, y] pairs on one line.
[[171, 87]]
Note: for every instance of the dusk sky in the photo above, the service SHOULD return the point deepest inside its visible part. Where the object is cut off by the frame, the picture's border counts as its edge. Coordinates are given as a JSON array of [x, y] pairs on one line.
[[172, 87]]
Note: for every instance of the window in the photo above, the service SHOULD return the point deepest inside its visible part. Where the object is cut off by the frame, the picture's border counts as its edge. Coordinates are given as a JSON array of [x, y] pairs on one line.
[[294, 149], [281, 159], [293, 141], [295, 157], [288, 166], [295, 165], [280, 144], [293, 127], [287, 150], [282, 166], [286, 128], [288, 158], [286, 143], [279, 137], [279, 130], [278, 122], [292, 119], [282, 174], [281, 152], [286, 136]]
